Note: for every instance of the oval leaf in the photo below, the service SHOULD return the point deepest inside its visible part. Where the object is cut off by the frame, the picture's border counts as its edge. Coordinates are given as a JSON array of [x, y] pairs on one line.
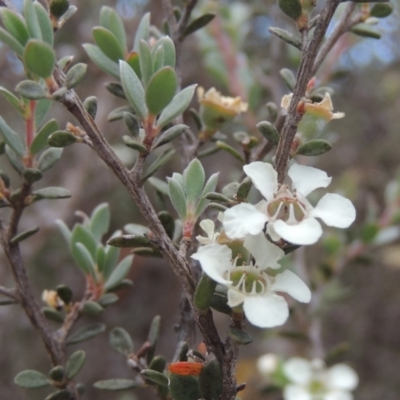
[[86, 333], [108, 43], [115, 384], [40, 140], [31, 379], [119, 273], [75, 363], [39, 58], [161, 90], [121, 341]]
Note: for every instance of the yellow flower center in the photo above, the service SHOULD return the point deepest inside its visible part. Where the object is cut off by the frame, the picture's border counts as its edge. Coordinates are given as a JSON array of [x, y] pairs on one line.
[[288, 209], [249, 280]]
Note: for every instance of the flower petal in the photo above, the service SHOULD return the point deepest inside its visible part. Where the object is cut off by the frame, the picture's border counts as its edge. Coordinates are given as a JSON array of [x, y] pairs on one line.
[[305, 232], [266, 311], [267, 363], [265, 253], [294, 392], [341, 376], [208, 227], [235, 298], [298, 370], [264, 178], [242, 220], [335, 210], [215, 260], [306, 179], [290, 283]]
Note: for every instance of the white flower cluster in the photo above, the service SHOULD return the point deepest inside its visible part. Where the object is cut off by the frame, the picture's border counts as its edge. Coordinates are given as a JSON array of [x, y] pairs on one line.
[[286, 214]]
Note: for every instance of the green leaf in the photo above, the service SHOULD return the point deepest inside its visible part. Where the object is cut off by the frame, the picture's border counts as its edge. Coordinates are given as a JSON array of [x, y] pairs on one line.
[[133, 89], [52, 315], [90, 104], [15, 25], [204, 292], [42, 108], [100, 257], [116, 26], [24, 235], [13, 100], [178, 197], [64, 293], [11, 138], [108, 43], [67, 234], [160, 185], [86, 333], [158, 58], [132, 123], [143, 31], [145, 61], [169, 51], [128, 241], [288, 77], [92, 308], [32, 175], [168, 222], [110, 261], [75, 363], [48, 158], [239, 336], [121, 341], [269, 132], [365, 30], [161, 89], [115, 88], [31, 90], [32, 21], [176, 107], [157, 164], [155, 377], [57, 373], [119, 273], [46, 27], [153, 336], [101, 60], [39, 58], [292, 8], [199, 23], [108, 299], [58, 8], [208, 187], [51, 192], [118, 113], [314, 147], [83, 235], [286, 36], [84, 259], [75, 75], [115, 384], [229, 149], [134, 144], [40, 140], [380, 10], [31, 379], [15, 160], [61, 139], [100, 221], [11, 42], [62, 394], [194, 178]]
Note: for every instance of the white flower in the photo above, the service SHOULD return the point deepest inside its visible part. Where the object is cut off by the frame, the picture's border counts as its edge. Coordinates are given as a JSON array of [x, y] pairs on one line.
[[288, 213], [208, 227], [268, 363], [249, 284], [311, 380]]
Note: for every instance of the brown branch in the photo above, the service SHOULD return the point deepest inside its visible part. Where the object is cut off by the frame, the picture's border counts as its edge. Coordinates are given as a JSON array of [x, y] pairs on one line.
[[304, 74], [11, 293], [343, 25]]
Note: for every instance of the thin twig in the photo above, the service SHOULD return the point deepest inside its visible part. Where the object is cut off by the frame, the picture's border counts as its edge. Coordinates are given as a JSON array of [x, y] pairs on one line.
[[11, 293], [341, 27], [303, 76]]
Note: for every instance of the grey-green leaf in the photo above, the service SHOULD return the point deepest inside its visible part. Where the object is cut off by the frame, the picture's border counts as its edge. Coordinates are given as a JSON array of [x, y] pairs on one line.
[[11, 138], [177, 106], [199, 23], [157, 164], [51, 192], [31, 90], [194, 178], [40, 140], [133, 89], [121, 341], [75, 363], [86, 333], [100, 221], [145, 61], [108, 43], [208, 187], [31, 379], [155, 377], [46, 27], [15, 25], [11, 42], [75, 75], [39, 58], [48, 158], [101, 60], [314, 147], [115, 384], [178, 197], [119, 273], [142, 31], [32, 20], [286, 36], [269, 132]]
